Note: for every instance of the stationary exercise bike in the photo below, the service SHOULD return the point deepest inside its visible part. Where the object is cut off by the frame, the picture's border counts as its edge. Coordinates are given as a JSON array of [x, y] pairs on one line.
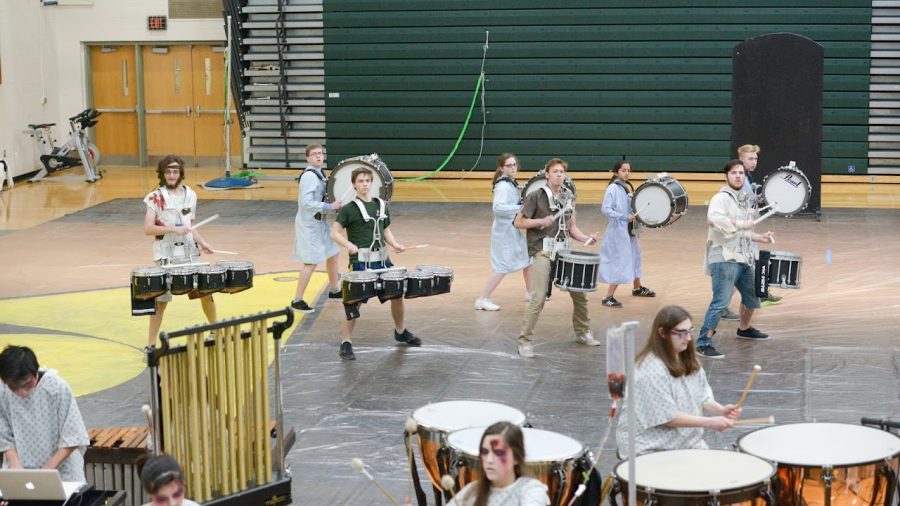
[[76, 151]]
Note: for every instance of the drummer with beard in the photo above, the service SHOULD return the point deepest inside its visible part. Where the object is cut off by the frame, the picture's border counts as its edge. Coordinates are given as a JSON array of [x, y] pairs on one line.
[[729, 258], [171, 212], [367, 224], [545, 239]]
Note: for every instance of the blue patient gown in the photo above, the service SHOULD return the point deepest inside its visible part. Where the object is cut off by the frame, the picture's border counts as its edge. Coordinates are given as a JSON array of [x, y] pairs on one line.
[[620, 254], [312, 242], [509, 252]]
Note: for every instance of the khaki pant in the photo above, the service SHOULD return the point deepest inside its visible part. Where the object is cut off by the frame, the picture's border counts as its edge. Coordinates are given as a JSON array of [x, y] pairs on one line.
[[540, 278]]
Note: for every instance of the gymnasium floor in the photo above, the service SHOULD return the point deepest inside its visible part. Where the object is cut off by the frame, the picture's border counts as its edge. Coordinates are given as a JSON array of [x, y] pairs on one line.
[[834, 356]]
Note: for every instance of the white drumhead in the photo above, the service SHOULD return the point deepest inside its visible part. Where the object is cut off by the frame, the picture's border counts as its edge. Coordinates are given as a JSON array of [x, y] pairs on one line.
[[788, 190], [820, 444], [454, 415], [652, 203], [697, 470], [540, 445], [341, 187]]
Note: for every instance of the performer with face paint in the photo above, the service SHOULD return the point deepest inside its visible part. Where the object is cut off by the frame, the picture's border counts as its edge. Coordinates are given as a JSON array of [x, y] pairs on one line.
[[500, 480]]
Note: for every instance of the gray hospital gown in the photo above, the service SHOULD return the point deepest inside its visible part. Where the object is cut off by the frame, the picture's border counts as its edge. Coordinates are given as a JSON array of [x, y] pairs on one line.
[[659, 396], [40, 424]]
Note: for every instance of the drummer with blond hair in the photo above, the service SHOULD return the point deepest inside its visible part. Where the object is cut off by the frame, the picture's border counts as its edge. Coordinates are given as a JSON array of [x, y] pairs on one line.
[[367, 222]]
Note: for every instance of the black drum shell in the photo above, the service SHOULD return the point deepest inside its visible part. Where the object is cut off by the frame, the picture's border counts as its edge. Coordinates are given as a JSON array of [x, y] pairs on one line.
[[145, 287], [392, 289], [182, 283], [578, 273], [210, 280], [418, 285], [238, 280], [355, 290]]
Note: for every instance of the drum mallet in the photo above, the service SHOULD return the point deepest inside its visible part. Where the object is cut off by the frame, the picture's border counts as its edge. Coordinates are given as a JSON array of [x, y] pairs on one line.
[[204, 222], [447, 483], [641, 209], [359, 466], [766, 420], [756, 369], [768, 214], [348, 190]]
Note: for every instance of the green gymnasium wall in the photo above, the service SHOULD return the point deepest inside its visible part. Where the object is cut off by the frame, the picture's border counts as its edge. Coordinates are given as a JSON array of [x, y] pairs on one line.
[[588, 81]]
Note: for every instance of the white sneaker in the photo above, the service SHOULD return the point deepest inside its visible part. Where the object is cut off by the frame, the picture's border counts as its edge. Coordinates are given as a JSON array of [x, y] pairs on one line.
[[486, 305], [587, 339], [526, 350]]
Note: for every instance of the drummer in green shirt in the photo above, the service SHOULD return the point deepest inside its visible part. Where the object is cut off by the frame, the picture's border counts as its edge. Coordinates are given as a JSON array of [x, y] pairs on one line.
[[366, 221]]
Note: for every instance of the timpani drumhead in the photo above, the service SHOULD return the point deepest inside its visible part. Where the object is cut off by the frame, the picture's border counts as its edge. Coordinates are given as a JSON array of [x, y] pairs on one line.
[[696, 470], [820, 444], [540, 445], [450, 416]]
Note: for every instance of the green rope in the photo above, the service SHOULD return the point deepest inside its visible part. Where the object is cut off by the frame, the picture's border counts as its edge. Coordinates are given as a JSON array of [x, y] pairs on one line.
[[458, 139]]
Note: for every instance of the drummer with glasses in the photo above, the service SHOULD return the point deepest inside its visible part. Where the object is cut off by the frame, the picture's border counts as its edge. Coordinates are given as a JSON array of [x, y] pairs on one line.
[[673, 401], [366, 221]]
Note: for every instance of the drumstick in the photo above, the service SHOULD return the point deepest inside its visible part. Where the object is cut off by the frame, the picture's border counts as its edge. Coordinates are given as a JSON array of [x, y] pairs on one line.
[[204, 222], [641, 210], [223, 252], [188, 264], [756, 369], [359, 466], [345, 194], [419, 246], [766, 420]]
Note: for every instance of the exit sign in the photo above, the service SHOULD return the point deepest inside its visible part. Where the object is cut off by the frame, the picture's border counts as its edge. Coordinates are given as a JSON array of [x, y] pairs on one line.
[[156, 22]]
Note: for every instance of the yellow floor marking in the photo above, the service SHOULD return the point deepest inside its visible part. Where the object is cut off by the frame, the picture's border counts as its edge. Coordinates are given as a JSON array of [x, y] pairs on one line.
[[109, 351]]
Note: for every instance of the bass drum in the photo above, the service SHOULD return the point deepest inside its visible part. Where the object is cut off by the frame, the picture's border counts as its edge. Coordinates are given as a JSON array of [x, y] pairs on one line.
[[340, 187], [539, 181], [659, 202], [787, 189]]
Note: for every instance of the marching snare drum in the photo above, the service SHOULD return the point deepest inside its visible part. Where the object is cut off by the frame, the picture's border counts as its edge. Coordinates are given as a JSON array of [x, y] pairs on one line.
[[357, 286], [659, 202], [239, 275], [540, 180], [340, 187], [393, 284], [419, 284], [436, 421], [557, 460], [443, 277], [148, 282], [210, 279], [576, 271], [182, 280], [784, 269], [828, 463], [697, 478], [787, 190]]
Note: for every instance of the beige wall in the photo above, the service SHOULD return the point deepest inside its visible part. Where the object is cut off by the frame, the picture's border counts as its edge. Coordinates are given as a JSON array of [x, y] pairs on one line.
[[41, 51]]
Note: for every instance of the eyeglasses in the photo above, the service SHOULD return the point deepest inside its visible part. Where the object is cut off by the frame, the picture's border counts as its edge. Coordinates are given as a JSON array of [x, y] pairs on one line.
[[510, 165], [681, 333]]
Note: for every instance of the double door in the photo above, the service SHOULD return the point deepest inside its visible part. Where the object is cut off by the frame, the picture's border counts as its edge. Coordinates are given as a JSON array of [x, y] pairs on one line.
[[178, 109]]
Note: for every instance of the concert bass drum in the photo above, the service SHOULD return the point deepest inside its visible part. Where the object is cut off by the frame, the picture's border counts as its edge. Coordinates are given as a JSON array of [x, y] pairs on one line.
[[340, 187]]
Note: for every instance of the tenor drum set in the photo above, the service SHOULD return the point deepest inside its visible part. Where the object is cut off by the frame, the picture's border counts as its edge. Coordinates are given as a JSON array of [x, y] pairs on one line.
[[395, 283], [195, 280]]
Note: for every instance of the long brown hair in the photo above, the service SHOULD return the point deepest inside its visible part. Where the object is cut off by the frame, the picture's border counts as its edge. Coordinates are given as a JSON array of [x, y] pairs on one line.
[[679, 364], [500, 161], [164, 164], [512, 436]]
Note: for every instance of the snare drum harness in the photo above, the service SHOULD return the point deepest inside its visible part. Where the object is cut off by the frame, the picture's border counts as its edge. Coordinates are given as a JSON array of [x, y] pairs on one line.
[[371, 254], [318, 173], [561, 202]]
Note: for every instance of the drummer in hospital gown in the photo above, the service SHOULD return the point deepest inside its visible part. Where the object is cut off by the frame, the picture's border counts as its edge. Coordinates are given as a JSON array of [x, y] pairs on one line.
[[312, 240], [620, 253], [671, 393]]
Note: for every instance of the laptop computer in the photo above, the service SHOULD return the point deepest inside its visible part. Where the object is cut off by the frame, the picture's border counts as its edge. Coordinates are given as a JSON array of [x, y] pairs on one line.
[[32, 485]]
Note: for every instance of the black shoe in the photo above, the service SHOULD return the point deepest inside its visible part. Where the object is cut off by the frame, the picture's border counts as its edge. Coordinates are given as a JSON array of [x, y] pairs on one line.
[[752, 333], [643, 292], [709, 352], [407, 338], [610, 302], [302, 306], [346, 352], [337, 294]]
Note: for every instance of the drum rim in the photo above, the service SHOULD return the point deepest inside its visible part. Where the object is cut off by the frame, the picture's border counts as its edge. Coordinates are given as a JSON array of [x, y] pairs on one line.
[[578, 255], [148, 271], [796, 170], [364, 276], [779, 463], [528, 462], [211, 269], [435, 429], [672, 199], [696, 493], [367, 160]]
